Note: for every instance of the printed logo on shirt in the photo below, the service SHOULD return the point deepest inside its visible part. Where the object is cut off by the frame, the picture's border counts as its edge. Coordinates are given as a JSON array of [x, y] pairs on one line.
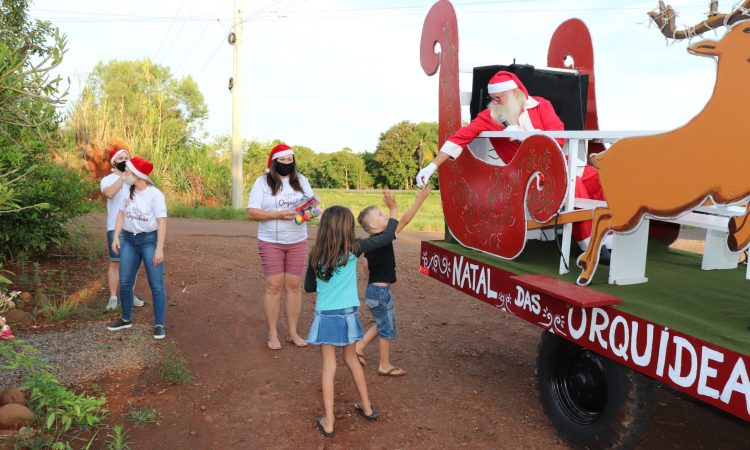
[[133, 212], [289, 199]]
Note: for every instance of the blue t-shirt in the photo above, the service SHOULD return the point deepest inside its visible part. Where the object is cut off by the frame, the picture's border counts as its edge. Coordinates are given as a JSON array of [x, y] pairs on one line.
[[340, 291]]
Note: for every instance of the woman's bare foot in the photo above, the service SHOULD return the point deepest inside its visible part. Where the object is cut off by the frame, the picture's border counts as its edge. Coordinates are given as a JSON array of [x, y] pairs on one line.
[[273, 343], [296, 340]]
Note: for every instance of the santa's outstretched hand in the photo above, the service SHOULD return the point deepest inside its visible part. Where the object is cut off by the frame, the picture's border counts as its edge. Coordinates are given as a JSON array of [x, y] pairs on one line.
[[423, 177]]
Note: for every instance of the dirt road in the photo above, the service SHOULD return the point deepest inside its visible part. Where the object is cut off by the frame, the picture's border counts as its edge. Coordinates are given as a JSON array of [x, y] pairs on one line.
[[471, 370]]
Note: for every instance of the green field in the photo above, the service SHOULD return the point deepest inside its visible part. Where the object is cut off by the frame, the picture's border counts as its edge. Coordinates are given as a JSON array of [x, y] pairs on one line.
[[429, 217]]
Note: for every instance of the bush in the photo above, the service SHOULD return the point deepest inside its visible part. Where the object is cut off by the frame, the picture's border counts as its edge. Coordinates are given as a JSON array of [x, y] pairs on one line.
[[63, 190]]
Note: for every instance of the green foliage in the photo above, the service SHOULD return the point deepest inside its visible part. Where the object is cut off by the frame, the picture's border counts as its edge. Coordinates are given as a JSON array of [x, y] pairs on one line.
[[402, 150], [206, 212], [41, 195], [340, 170], [62, 190], [173, 368], [61, 415], [118, 440], [141, 417], [29, 51]]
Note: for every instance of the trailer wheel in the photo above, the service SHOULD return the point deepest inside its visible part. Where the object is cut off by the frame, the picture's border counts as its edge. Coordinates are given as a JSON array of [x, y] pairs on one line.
[[592, 401]]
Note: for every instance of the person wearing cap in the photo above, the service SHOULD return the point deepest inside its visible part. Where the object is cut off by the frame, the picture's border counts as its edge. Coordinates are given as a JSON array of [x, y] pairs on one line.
[[114, 189], [140, 232], [512, 108], [282, 244]]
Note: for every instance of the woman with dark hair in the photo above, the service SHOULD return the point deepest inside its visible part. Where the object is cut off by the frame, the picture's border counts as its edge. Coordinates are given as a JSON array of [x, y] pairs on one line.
[[282, 244]]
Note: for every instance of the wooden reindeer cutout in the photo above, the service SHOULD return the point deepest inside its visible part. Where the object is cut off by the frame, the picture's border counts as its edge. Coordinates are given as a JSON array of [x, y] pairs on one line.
[[666, 175]]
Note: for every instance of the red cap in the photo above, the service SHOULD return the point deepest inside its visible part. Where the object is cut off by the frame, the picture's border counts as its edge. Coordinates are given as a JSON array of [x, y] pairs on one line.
[[277, 152], [141, 167], [115, 152], [505, 81]]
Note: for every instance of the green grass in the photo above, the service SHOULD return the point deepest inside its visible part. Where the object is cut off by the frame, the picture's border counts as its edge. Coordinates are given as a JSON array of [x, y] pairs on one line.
[[173, 368], [429, 217], [141, 417], [207, 212]]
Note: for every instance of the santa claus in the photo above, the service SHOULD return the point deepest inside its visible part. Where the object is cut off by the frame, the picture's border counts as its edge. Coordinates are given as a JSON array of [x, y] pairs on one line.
[[512, 108]]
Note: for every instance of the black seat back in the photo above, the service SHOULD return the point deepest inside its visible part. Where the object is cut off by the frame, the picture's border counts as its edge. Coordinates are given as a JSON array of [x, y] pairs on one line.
[[566, 91]]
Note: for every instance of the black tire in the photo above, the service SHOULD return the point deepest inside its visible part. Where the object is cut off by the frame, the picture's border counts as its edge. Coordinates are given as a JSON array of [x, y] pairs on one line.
[[592, 401]]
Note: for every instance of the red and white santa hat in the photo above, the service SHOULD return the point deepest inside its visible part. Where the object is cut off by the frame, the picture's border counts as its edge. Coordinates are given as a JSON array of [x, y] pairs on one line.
[[140, 167], [115, 152], [505, 81], [277, 152]]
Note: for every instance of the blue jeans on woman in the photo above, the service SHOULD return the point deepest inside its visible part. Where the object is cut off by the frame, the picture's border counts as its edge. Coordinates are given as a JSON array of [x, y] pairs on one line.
[[135, 248]]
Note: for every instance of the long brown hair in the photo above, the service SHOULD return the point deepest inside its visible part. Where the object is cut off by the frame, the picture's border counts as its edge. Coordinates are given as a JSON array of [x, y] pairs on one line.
[[335, 241], [274, 179]]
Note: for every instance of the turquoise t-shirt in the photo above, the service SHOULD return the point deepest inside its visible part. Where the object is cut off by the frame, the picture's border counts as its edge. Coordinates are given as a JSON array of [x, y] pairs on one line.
[[340, 291]]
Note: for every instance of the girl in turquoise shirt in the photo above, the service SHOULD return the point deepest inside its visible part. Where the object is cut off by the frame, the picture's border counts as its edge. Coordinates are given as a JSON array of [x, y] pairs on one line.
[[336, 321]]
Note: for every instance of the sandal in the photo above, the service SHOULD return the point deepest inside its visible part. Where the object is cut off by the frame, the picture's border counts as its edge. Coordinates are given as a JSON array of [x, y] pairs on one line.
[[394, 372], [322, 429], [361, 359], [372, 417]]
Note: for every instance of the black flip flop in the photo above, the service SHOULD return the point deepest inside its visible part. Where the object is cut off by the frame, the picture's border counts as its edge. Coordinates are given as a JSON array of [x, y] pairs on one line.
[[372, 417], [322, 429]]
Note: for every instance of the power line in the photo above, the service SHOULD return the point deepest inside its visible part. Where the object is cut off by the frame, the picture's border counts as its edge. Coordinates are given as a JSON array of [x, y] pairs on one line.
[[168, 31], [189, 52]]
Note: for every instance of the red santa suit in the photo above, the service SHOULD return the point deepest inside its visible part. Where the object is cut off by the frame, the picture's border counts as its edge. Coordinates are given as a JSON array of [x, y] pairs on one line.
[[538, 114]]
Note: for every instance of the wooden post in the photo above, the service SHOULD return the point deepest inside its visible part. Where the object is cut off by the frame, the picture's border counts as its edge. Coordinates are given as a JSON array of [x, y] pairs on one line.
[[237, 187]]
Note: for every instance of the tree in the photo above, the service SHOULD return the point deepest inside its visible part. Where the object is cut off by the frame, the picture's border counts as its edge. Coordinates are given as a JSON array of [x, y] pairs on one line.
[[341, 170], [395, 153], [139, 102], [29, 51], [428, 139]]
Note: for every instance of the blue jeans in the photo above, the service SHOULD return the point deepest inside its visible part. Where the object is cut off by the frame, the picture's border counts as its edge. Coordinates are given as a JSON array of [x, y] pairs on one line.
[[380, 302], [135, 248]]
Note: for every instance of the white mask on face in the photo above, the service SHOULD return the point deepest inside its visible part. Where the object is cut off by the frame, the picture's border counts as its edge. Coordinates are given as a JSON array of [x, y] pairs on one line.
[[129, 179]]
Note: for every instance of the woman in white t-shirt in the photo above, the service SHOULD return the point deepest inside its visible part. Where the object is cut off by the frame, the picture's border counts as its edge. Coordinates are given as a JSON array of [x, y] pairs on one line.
[[140, 231], [114, 189], [282, 244]]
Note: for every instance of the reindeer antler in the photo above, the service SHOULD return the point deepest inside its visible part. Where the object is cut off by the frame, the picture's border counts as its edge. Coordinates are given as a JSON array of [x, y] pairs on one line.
[[665, 18]]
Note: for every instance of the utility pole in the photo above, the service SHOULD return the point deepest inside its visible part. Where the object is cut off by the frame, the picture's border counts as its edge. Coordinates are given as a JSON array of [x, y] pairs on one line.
[[235, 86]]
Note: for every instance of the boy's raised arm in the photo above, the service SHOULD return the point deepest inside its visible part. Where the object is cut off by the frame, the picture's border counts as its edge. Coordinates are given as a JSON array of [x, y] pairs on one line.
[[422, 194]]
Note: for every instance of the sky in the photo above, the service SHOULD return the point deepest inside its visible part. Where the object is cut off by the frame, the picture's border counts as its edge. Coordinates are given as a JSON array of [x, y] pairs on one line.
[[330, 74]]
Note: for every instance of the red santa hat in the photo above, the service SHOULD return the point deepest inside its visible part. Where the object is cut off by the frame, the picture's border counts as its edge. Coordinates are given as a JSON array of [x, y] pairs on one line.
[[277, 152], [505, 81], [115, 152], [140, 167]]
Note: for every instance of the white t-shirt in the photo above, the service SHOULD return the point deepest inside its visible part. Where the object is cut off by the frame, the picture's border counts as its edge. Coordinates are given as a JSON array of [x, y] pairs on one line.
[[143, 209], [113, 204], [279, 231]]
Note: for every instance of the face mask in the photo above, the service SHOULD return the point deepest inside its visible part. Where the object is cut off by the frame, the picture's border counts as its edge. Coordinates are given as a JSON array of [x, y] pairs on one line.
[[284, 169], [128, 179], [121, 166]]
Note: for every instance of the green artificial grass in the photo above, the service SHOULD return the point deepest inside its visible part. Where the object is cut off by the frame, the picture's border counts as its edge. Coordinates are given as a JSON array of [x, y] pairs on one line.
[[712, 305]]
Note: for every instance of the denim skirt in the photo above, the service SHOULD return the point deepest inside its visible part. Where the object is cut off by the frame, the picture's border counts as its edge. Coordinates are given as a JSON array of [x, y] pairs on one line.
[[338, 327]]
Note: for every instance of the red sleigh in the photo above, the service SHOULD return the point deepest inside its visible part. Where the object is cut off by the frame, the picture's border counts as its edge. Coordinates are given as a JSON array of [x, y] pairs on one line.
[[492, 208]]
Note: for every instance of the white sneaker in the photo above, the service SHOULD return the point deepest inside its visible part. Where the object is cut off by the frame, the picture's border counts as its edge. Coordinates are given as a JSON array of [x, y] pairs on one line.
[[137, 302], [112, 303]]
